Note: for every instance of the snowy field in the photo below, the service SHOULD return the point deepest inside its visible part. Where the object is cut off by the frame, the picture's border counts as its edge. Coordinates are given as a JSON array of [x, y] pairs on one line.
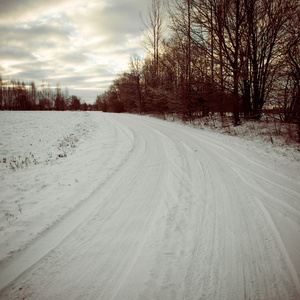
[[117, 206]]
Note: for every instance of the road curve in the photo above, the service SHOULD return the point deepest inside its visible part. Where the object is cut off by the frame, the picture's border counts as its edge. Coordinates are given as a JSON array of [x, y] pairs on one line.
[[184, 216]]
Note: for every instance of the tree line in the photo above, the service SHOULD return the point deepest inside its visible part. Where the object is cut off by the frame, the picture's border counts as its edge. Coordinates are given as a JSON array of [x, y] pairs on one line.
[[237, 57], [16, 95]]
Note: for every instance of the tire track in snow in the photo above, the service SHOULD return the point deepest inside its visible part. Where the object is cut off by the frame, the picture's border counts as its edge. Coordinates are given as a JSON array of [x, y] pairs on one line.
[[254, 237], [109, 240], [20, 262], [183, 217], [236, 252]]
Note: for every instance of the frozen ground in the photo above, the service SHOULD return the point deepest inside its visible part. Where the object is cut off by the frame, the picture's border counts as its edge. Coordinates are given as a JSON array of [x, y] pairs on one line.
[[106, 206]]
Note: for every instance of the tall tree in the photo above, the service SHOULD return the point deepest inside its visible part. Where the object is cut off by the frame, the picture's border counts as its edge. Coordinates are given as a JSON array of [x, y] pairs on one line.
[[180, 43], [265, 22], [230, 30], [292, 47], [33, 94], [136, 71], [75, 103], [59, 101], [1, 93], [154, 35]]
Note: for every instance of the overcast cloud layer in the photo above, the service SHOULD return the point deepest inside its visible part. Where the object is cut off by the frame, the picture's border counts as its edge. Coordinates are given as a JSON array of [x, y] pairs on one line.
[[80, 44]]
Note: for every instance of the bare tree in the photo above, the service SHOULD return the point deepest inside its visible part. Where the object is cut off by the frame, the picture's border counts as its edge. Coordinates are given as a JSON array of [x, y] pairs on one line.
[[33, 93], [231, 18], [292, 47], [154, 34], [1, 94], [265, 22], [180, 45], [136, 71]]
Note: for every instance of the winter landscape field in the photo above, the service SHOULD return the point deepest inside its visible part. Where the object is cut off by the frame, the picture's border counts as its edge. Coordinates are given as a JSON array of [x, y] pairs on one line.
[[120, 206]]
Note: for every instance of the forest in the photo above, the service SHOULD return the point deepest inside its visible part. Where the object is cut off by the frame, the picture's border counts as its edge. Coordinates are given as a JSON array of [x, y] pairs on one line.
[[16, 95], [236, 58]]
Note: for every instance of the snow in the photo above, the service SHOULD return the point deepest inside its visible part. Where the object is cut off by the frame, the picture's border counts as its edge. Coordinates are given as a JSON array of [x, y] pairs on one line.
[[118, 206]]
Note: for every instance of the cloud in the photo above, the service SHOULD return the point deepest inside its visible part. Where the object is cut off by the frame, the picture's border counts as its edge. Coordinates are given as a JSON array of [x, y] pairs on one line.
[[80, 44], [11, 53], [16, 11]]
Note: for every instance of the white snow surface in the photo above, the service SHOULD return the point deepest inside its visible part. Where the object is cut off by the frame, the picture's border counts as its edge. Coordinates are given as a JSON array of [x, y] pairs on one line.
[[119, 206]]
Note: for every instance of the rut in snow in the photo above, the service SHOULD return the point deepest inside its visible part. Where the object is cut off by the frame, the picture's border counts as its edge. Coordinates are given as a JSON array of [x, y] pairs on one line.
[[175, 214]]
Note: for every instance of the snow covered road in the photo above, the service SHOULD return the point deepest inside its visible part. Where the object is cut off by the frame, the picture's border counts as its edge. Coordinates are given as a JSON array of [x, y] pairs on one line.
[[164, 211]]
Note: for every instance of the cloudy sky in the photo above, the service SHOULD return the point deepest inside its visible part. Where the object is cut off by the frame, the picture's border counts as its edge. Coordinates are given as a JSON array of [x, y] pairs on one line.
[[80, 44]]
